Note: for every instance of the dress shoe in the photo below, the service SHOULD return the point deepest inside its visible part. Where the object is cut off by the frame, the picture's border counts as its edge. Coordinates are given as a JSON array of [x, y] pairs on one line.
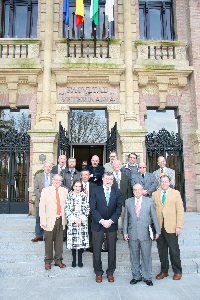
[[73, 264], [80, 264], [99, 278], [47, 266], [177, 276], [149, 282], [161, 275], [37, 239], [111, 278], [134, 281], [89, 250], [60, 265]]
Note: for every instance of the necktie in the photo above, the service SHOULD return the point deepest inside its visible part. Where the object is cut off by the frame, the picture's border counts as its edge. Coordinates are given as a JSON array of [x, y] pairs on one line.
[[137, 207], [142, 175], [58, 203], [164, 197], [85, 189], [117, 179], [161, 172], [72, 176], [107, 195], [46, 180]]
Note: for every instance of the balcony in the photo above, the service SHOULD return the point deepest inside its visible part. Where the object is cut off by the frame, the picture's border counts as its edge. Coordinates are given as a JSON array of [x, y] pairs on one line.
[[161, 55], [19, 54], [81, 52]]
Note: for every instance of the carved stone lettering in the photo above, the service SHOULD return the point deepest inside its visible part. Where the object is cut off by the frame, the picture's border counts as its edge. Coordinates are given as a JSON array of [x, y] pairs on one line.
[[88, 94]]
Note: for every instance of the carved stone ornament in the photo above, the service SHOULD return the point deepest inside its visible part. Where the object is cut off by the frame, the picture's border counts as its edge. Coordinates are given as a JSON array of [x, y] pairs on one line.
[[62, 107], [3, 88], [25, 89]]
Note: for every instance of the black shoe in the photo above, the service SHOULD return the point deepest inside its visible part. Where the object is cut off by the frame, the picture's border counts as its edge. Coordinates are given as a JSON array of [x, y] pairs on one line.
[[134, 281], [80, 264], [149, 282], [73, 264], [89, 250]]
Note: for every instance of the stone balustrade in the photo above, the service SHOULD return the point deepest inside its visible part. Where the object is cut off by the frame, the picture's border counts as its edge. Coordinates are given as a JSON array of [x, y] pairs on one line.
[[87, 51], [161, 53], [20, 52]]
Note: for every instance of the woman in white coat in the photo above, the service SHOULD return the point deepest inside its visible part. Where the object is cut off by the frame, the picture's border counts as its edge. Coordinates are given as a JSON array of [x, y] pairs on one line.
[[77, 211]]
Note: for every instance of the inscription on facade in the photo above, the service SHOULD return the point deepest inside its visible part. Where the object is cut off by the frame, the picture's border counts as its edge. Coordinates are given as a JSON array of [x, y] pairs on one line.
[[85, 94]]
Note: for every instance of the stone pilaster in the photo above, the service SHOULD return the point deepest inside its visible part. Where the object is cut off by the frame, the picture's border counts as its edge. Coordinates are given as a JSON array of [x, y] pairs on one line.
[[45, 117], [130, 116], [132, 141]]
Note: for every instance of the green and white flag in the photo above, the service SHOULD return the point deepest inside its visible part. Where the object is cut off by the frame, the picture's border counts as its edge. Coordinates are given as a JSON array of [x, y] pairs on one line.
[[94, 11]]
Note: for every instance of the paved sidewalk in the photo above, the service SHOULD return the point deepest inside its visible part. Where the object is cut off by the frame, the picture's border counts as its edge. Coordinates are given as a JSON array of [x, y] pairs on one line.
[[22, 274]]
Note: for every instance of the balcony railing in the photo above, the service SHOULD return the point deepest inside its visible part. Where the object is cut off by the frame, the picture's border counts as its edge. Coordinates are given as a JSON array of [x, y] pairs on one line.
[[19, 50], [162, 53], [84, 51]]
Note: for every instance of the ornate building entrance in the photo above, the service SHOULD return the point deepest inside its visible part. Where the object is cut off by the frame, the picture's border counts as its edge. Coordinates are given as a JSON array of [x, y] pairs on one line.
[[88, 136]]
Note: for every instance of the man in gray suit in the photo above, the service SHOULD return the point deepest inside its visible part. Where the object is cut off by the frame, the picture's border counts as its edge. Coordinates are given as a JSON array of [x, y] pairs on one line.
[[41, 180], [146, 179], [139, 214]]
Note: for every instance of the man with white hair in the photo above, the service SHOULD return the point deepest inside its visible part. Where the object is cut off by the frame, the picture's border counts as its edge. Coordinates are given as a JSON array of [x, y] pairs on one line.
[[53, 220], [139, 214]]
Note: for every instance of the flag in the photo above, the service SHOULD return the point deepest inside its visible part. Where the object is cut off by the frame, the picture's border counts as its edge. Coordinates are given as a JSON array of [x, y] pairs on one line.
[[66, 11], [94, 11], [79, 12], [109, 10]]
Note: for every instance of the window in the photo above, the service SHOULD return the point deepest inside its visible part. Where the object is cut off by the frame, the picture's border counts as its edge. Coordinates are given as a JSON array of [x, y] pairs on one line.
[[156, 20], [87, 30], [19, 18]]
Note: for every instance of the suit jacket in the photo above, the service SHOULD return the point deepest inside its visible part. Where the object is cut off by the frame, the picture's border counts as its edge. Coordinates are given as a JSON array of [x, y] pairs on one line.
[[96, 174], [172, 211], [149, 182], [169, 172], [125, 187], [67, 177], [92, 186], [39, 184], [138, 228], [48, 206], [100, 209]]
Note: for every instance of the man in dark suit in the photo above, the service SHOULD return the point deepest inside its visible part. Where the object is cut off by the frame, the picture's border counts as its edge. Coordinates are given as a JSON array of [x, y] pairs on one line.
[[96, 171], [60, 166], [70, 174], [88, 188], [147, 180], [41, 180], [122, 182], [106, 207]]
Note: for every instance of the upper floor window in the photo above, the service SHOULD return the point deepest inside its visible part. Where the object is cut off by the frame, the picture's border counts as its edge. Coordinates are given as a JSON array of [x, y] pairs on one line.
[[156, 20], [19, 18], [87, 29]]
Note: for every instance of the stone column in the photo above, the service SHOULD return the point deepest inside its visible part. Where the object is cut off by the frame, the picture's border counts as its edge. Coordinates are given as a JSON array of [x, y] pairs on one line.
[[45, 117], [130, 113]]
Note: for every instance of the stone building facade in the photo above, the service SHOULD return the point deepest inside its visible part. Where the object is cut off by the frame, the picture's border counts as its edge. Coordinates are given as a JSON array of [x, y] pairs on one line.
[[139, 74]]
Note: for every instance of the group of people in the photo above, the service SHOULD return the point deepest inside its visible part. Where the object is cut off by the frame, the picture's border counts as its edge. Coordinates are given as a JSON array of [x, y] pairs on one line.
[[89, 205]]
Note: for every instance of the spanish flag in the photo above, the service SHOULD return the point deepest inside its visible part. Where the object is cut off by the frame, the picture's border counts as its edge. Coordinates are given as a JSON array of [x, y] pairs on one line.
[[79, 12]]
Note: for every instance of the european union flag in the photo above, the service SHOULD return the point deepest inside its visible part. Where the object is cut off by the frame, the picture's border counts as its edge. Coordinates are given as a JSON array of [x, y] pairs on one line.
[[66, 11]]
